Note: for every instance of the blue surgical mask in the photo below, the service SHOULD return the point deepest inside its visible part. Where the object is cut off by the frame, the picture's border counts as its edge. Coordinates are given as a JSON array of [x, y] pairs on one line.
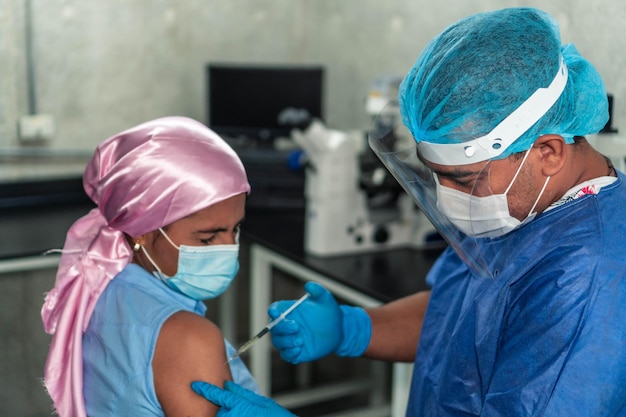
[[204, 272]]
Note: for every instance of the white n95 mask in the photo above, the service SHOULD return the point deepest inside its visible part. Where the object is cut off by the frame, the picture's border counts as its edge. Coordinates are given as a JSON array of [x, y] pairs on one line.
[[487, 216], [204, 272]]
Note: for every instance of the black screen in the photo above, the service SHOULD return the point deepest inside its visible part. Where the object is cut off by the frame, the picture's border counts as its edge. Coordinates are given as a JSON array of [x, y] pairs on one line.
[[262, 102]]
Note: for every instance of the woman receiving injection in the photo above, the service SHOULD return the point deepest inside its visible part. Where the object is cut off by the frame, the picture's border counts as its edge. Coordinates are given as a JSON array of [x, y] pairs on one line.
[[127, 310]]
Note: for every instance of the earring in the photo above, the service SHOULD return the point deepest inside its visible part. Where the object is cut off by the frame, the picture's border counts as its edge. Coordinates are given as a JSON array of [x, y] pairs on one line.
[[136, 246]]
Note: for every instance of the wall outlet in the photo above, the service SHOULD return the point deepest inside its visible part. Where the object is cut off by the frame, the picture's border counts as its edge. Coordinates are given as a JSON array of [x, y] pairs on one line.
[[36, 128]]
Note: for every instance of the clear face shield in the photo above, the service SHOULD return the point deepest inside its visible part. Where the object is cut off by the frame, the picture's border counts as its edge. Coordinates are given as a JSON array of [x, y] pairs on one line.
[[394, 145], [461, 187]]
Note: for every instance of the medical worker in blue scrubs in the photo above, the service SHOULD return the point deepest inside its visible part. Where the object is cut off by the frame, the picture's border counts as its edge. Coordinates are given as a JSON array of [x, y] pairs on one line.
[[528, 303]]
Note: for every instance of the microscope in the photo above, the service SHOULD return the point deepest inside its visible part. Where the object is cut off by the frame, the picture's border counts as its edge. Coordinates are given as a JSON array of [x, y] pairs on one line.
[[353, 204]]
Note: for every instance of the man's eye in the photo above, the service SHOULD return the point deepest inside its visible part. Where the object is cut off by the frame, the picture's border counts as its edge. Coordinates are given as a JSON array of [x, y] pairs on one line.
[[463, 183]]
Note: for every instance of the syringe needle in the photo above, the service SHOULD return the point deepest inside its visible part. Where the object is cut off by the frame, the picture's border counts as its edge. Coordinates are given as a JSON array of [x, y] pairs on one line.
[[267, 328]]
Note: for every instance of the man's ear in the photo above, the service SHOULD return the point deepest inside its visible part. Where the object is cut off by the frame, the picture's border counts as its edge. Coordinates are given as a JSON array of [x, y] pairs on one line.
[[552, 153]]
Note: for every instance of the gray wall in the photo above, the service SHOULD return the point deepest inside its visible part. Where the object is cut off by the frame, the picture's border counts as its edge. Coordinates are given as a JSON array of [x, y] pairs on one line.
[[102, 66]]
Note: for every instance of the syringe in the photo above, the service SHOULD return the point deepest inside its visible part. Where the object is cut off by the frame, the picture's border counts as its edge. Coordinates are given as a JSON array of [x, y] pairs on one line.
[[267, 328]]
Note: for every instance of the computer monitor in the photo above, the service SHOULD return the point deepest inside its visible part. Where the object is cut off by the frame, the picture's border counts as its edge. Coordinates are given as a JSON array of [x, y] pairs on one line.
[[262, 102]]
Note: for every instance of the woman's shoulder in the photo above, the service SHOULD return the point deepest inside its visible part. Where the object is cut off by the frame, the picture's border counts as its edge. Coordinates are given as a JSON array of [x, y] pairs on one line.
[[188, 330]]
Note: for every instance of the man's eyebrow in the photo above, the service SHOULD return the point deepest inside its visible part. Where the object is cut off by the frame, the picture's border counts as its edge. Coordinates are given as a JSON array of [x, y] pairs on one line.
[[453, 173]]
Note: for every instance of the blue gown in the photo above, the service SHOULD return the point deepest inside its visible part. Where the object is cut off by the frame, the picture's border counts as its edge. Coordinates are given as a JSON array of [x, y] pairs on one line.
[[547, 335]]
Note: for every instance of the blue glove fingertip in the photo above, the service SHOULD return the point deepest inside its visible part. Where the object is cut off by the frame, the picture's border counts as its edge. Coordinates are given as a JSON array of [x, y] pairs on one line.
[[278, 307], [211, 392], [200, 387], [272, 310], [314, 289]]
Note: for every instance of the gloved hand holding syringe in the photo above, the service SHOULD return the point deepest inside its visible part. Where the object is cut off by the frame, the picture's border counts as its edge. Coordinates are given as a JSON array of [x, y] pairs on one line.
[[267, 328]]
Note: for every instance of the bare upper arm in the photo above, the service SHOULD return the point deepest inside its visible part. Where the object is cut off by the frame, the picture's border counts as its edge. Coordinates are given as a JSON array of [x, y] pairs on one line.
[[189, 348]]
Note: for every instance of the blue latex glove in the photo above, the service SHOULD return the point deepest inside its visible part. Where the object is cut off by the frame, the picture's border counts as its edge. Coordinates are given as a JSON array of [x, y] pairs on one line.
[[237, 401], [319, 327]]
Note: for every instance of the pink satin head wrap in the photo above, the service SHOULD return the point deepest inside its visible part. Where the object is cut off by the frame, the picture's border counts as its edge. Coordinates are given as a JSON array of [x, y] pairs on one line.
[[141, 179]]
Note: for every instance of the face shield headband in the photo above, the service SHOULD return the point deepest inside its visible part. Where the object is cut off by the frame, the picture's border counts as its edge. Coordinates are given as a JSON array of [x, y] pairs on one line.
[[504, 134]]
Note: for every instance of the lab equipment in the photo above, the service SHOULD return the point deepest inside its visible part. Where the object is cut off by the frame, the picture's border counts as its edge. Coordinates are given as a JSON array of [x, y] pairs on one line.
[[383, 91], [267, 328], [237, 401], [348, 211], [321, 327]]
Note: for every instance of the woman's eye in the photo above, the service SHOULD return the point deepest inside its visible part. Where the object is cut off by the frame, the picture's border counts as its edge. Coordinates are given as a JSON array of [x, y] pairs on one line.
[[208, 241]]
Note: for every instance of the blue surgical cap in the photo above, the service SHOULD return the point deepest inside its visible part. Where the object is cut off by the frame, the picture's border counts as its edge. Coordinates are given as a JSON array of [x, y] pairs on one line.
[[482, 68]]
